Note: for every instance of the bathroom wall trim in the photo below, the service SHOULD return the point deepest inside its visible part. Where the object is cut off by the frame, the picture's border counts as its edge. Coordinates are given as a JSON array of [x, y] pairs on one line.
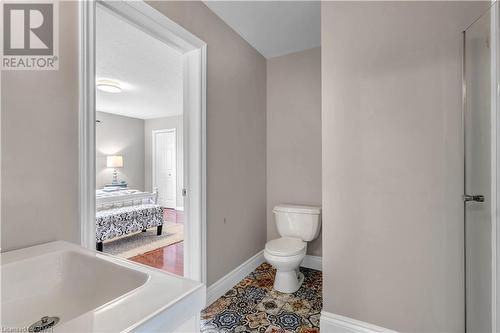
[[313, 262], [334, 323], [86, 122], [228, 281]]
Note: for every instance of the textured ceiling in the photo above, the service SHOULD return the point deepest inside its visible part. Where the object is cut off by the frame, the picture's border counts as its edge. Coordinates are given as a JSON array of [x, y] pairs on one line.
[[149, 72], [273, 28]]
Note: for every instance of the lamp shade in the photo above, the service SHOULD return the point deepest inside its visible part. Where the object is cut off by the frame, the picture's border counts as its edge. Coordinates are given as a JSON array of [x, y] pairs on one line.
[[114, 161]]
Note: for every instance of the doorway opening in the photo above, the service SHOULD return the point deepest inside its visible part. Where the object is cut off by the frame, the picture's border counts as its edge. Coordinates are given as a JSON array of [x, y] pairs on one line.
[[142, 137]]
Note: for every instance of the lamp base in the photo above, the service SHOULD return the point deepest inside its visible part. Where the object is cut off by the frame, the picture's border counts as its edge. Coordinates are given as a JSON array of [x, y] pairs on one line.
[[115, 177]]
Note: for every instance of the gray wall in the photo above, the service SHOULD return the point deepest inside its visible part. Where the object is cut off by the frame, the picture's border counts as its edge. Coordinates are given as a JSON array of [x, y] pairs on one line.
[[119, 135], [40, 146], [236, 138], [294, 134], [392, 162], [159, 124]]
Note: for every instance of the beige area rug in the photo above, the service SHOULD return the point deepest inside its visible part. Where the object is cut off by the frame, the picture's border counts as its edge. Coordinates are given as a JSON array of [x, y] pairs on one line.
[[138, 243]]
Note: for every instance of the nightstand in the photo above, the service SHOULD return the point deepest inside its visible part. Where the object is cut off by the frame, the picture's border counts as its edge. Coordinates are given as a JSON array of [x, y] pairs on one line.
[[122, 185]]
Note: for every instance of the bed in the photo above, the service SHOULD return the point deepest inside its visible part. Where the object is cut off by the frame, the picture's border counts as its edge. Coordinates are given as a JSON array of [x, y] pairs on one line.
[[120, 212], [117, 197]]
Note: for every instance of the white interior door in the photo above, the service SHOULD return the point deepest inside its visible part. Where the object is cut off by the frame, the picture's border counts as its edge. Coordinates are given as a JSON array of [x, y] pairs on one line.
[[164, 163]]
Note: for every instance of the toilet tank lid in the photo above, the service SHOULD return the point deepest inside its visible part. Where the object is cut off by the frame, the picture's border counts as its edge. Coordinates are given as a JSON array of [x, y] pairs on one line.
[[300, 209]]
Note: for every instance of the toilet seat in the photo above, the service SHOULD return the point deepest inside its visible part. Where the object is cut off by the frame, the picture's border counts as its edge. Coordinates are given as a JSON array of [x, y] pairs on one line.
[[286, 246]]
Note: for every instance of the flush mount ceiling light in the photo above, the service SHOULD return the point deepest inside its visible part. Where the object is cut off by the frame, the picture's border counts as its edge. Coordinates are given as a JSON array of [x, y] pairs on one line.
[[108, 86]]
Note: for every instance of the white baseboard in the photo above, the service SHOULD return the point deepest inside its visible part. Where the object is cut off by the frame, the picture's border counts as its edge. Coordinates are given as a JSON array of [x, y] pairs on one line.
[[333, 323], [313, 262], [228, 281], [179, 208]]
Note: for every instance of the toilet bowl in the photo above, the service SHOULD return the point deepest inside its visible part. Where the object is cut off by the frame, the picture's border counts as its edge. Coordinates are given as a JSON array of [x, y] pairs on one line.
[[286, 254], [297, 225]]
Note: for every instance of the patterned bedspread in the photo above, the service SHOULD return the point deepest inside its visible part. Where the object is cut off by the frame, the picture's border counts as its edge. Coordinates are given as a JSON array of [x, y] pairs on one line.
[[116, 222]]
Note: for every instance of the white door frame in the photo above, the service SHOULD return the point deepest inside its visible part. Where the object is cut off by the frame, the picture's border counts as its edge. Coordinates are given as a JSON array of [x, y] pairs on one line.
[[153, 159], [194, 52], [495, 169]]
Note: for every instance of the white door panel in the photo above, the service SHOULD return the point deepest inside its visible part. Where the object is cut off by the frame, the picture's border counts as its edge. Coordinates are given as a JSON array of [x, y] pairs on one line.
[[164, 162]]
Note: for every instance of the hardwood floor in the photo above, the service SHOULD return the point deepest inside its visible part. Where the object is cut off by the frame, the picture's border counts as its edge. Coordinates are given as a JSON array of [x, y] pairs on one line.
[[173, 216], [168, 258]]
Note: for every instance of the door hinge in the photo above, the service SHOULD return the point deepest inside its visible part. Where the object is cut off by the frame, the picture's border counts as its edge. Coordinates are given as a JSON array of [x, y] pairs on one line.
[[184, 192]]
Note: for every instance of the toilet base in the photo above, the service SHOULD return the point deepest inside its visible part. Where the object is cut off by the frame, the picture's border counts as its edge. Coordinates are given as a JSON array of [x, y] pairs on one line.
[[288, 282]]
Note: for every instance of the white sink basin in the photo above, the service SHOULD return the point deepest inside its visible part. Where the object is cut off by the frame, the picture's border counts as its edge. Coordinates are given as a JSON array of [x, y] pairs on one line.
[[90, 291], [64, 283]]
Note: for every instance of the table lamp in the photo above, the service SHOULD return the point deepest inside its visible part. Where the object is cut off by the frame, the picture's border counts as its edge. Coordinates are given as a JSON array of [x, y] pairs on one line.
[[114, 161]]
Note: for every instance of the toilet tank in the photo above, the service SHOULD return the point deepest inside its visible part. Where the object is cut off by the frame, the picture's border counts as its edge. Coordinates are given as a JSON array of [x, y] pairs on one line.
[[302, 222]]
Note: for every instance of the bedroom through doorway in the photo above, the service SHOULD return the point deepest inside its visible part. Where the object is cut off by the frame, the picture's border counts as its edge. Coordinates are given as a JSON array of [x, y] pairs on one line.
[[139, 145]]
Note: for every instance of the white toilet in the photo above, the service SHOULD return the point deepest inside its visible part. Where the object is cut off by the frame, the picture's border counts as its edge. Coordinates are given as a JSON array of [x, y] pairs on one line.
[[296, 225]]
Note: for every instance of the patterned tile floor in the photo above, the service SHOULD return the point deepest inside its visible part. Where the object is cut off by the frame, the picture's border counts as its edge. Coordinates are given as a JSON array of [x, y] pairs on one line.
[[254, 306]]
